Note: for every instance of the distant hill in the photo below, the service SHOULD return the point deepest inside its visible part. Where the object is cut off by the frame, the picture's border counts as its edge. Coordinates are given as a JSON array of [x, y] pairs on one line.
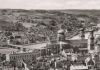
[[77, 11], [44, 24]]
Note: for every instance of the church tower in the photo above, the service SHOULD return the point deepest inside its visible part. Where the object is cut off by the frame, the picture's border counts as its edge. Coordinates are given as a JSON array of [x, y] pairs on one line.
[[91, 47], [82, 33], [61, 39], [61, 35]]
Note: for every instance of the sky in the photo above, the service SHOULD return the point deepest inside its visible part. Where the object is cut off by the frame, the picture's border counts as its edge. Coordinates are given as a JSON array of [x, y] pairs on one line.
[[50, 4]]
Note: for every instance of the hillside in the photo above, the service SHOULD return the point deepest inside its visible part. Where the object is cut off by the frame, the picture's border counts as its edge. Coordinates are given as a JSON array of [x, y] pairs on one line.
[[43, 24]]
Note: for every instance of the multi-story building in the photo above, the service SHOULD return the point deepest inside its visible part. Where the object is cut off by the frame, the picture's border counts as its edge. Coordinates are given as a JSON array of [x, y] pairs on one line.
[[5, 52], [24, 56], [97, 51]]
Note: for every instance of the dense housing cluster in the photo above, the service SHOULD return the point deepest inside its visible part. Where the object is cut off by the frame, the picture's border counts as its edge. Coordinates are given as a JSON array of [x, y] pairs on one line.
[[43, 40]]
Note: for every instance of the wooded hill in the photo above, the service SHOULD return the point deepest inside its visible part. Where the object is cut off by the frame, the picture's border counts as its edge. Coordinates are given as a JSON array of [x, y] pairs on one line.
[[44, 24]]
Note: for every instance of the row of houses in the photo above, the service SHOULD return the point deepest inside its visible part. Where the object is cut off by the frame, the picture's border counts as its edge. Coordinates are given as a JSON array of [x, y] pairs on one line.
[[24, 56]]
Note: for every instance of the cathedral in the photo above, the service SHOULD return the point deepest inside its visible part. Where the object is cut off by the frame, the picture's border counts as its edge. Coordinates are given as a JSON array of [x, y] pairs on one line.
[[87, 48], [82, 45], [72, 46]]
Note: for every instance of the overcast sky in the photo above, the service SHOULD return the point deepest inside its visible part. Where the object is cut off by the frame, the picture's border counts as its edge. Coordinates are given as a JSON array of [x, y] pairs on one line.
[[50, 4]]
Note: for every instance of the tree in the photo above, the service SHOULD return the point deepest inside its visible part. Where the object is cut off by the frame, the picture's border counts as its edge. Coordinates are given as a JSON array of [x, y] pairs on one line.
[[19, 27], [8, 33], [3, 57]]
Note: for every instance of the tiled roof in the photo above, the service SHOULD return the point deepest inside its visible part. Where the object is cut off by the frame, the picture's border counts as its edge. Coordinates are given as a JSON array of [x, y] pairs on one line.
[[7, 50], [31, 46], [90, 62], [79, 67], [75, 43], [98, 42], [78, 42]]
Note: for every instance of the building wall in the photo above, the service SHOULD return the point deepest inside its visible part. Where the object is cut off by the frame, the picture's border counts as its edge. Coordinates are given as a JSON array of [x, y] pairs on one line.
[[24, 56], [53, 48]]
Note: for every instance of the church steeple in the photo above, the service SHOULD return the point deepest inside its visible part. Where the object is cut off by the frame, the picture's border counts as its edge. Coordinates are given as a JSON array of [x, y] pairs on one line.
[[91, 41], [61, 38], [61, 35], [82, 33]]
